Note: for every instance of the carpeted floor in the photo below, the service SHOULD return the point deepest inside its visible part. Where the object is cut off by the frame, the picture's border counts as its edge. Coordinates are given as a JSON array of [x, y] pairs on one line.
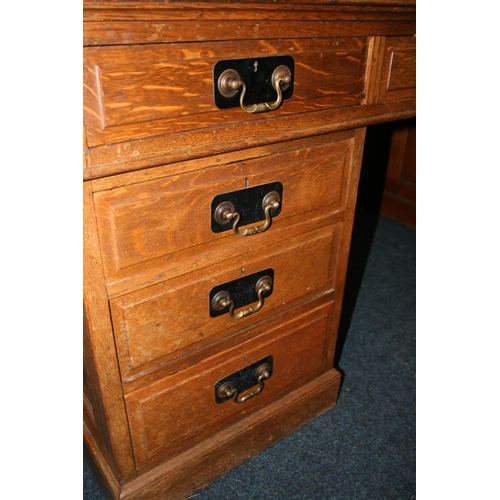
[[364, 448]]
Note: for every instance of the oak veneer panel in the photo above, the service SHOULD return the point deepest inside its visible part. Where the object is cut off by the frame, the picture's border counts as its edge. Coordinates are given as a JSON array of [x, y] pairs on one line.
[[192, 165], [100, 466], [399, 209], [141, 91], [180, 411], [166, 30], [346, 232], [166, 320], [105, 408], [375, 61], [160, 219], [203, 463], [400, 188], [156, 151], [399, 69], [105, 11]]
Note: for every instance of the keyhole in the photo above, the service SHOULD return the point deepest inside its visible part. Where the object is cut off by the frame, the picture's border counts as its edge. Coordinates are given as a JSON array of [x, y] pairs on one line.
[[255, 64]]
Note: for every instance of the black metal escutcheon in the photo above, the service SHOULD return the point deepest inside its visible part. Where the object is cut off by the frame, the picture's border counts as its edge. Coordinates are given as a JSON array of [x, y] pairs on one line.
[[256, 72], [248, 202], [243, 379], [242, 291]]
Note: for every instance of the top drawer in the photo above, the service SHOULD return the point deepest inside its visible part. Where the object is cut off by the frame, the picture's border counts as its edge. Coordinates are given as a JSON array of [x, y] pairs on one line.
[[134, 92]]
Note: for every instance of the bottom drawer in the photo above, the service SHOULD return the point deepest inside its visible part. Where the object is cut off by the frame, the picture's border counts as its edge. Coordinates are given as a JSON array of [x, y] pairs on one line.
[[181, 411]]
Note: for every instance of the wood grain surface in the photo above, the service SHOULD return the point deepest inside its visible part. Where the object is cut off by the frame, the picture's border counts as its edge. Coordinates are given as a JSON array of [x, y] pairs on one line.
[[156, 151]]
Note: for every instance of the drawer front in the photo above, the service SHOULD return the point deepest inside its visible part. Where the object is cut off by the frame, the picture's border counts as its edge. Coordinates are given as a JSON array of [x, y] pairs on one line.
[[164, 321], [159, 223], [399, 69], [181, 410], [146, 90]]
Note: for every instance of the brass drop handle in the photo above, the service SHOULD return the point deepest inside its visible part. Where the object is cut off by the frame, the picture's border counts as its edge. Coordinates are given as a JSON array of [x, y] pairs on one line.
[[228, 389], [222, 299], [225, 212], [230, 82]]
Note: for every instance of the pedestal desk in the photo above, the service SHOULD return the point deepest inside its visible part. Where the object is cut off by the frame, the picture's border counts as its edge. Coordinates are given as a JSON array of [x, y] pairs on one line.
[[222, 150]]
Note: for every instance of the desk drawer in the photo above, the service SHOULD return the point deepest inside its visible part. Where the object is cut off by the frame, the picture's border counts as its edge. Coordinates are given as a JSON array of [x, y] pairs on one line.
[[155, 225], [167, 320], [134, 92], [181, 411], [399, 69]]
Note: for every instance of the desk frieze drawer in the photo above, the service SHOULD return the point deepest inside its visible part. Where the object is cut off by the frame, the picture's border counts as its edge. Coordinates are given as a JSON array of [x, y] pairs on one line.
[[182, 410], [399, 69], [151, 227], [162, 322], [134, 92]]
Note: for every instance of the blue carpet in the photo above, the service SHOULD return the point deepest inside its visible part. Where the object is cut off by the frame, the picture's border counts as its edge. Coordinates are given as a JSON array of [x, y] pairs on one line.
[[365, 447]]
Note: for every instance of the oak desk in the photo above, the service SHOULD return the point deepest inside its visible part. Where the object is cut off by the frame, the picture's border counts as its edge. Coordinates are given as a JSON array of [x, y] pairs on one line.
[[222, 150]]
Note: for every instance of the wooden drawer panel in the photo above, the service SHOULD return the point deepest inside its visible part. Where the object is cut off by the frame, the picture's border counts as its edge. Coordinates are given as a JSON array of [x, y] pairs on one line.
[[399, 69], [166, 320], [180, 411], [146, 90], [165, 220]]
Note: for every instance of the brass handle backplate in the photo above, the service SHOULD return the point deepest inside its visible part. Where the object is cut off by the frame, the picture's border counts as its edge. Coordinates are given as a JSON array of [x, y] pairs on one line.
[[230, 82], [225, 212], [256, 85], [239, 293], [245, 207], [234, 385], [222, 300]]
